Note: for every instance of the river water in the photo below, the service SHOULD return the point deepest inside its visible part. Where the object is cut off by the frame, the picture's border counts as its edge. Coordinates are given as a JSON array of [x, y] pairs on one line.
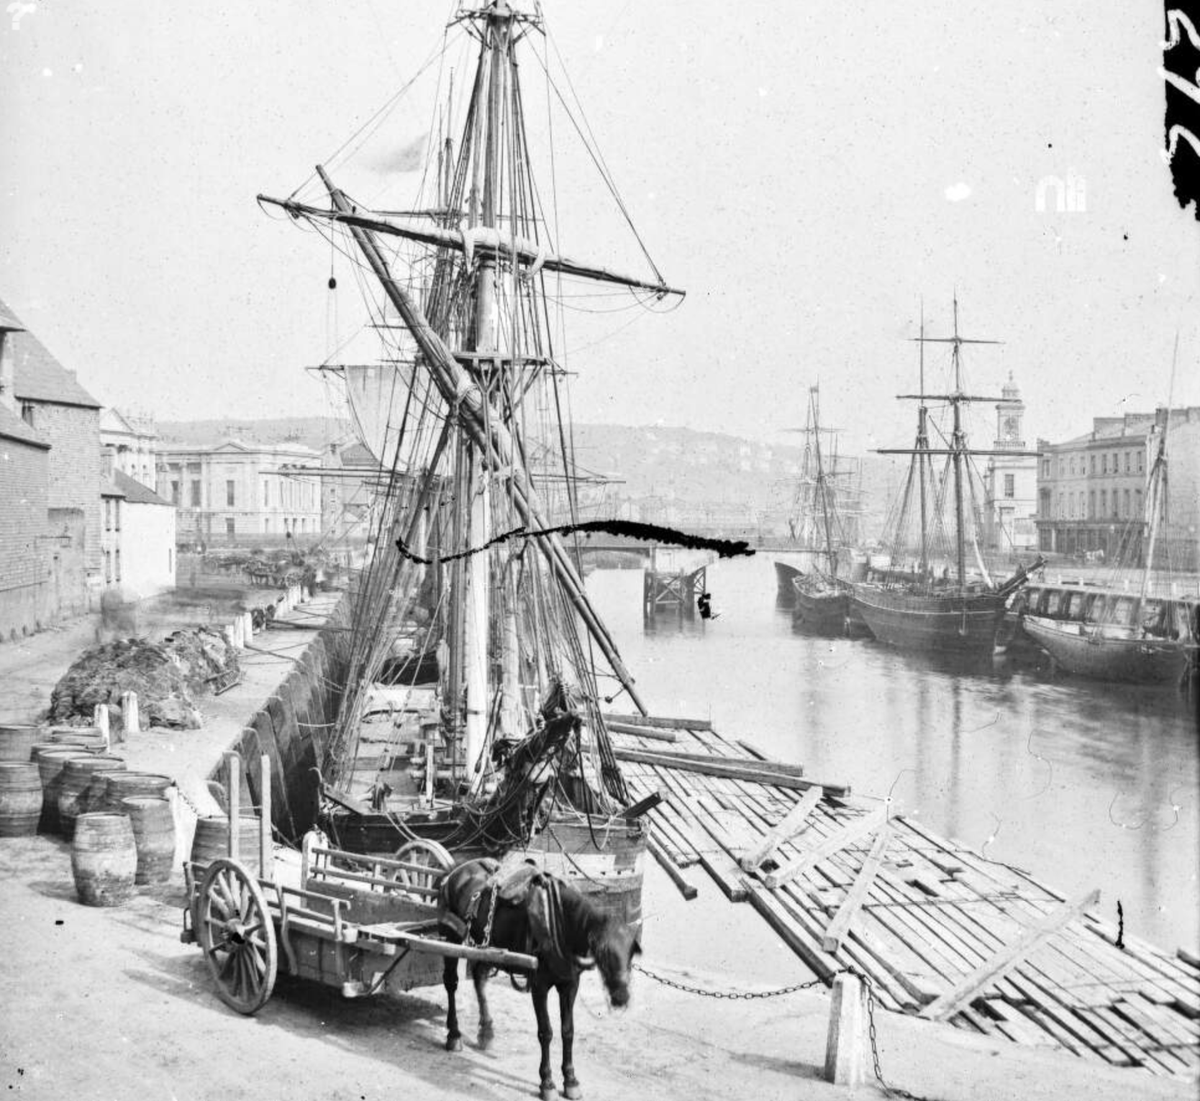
[[1083, 784]]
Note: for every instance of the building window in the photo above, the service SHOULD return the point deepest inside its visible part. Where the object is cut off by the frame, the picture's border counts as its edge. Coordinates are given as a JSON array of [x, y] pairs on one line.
[[195, 493], [175, 494], [1092, 500], [117, 525], [1137, 501], [1045, 468], [108, 514], [230, 526], [1127, 513], [117, 567], [1128, 461], [27, 412], [108, 567], [1103, 503], [229, 494], [1141, 462], [266, 493], [1010, 485], [1116, 500]]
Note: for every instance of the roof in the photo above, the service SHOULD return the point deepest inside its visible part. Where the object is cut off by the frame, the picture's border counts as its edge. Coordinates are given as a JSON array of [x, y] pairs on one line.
[[37, 375], [13, 428], [109, 489], [135, 492]]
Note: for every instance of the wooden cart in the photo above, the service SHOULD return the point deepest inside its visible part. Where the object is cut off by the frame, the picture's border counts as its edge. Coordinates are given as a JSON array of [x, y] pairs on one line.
[[362, 924]]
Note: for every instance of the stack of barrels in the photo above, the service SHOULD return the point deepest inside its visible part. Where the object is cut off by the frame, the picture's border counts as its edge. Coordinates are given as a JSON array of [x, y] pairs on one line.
[[120, 823]]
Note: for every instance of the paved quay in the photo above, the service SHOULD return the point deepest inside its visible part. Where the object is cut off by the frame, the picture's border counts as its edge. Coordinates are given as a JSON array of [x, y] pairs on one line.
[[108, 1004]]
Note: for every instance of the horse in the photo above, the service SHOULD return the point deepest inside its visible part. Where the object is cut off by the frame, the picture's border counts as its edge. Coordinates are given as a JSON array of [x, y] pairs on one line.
[[531, 911]]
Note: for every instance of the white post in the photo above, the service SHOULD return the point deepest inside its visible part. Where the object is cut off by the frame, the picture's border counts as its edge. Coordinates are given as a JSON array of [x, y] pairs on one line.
[[266, 852], [100, 722], [129, 712], [847, 1026], [247, 627]]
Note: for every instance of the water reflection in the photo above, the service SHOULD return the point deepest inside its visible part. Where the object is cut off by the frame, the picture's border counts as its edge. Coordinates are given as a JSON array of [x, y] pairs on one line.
[[1077, 781]]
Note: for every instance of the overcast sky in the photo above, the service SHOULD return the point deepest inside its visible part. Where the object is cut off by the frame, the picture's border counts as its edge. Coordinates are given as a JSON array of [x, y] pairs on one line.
[[809, 173]]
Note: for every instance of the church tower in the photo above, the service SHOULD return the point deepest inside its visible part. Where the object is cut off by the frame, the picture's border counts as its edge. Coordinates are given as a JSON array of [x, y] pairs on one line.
[[1010, 412]]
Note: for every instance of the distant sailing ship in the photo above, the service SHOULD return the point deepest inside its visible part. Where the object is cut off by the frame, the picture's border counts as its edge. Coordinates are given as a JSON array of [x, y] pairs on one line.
[[934, 604], [823, 518], [821, 598], [1132, 637]]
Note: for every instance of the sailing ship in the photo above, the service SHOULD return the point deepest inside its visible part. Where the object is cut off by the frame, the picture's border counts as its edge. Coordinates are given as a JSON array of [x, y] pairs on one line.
[[807, 530], [820, 597], [1137, 637], [934, 604], [470, 719]]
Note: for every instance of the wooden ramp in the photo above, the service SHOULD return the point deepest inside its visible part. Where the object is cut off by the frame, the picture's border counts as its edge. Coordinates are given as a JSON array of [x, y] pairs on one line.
[[940, 930]]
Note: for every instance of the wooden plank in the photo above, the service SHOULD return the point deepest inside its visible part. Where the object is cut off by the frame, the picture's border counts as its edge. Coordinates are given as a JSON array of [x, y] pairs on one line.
[[785, 830], [753, 750], [636, 810], [657, 721], [677, 877], [1008, 958], [742, 765], [840, 925], [642, 731], [731, 768], [859, 828]]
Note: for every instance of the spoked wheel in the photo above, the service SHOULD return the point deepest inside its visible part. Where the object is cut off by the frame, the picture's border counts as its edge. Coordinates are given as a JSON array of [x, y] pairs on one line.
[[432, 860], [237, 936]]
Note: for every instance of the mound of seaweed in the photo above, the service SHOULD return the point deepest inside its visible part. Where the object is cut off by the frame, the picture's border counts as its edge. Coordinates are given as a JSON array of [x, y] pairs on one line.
[[167, 676]]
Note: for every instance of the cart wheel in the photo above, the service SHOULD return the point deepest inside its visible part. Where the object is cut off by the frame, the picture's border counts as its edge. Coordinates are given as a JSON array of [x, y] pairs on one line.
[[435, 861], [237, 935]]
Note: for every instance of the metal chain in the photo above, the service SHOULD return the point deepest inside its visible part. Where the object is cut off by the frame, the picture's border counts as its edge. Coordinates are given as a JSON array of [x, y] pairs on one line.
[[731, 995], [748, 995]]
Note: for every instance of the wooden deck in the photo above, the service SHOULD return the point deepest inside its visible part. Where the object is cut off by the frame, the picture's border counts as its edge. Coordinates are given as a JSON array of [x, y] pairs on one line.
[[940, 931]]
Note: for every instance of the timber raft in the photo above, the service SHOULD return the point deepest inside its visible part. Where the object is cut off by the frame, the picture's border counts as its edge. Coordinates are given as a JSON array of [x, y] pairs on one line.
[[940, 931]]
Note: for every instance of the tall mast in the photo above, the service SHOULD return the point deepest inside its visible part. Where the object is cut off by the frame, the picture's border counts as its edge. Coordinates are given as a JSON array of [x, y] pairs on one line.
[[1156, 488], [957, 446], [922, 447]]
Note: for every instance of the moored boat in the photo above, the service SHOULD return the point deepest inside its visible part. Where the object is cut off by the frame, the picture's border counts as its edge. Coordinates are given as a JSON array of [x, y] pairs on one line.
[[925, 607]]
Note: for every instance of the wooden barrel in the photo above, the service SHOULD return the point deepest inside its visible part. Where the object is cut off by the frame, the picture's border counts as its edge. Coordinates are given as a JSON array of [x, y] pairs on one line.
[[103, 858], [50, 760], [77, 786], [122, 785], [212, 841], [90, 736], [20, 798], [17, 742], [153, 834]]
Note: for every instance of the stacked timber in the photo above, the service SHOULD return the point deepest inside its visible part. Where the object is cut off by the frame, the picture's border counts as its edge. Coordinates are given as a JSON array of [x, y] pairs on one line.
[[938, 930]]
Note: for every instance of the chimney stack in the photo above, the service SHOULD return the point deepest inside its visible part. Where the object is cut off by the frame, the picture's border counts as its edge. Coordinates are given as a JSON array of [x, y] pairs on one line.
[[8, 378]]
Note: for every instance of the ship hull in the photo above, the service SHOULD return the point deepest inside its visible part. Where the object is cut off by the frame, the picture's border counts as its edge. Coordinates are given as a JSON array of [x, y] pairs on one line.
[[825, 611], [785, 575], [948, 623], [1108, 655]]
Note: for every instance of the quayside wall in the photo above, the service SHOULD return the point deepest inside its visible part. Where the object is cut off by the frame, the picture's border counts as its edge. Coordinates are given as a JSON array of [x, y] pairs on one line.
[[292, 727]]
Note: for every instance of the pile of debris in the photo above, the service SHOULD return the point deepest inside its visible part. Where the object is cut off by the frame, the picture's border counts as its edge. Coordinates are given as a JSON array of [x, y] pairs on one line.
[[167, 676]]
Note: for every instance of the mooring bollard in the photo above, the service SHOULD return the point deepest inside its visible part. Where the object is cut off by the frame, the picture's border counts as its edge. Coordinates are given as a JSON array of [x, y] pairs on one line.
[[129, 713], [100, 722], [247, 627], [847, 1024]]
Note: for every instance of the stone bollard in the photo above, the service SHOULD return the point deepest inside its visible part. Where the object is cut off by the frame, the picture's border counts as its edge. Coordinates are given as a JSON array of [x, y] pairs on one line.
[[129, 713], [237, 637], [844, 1049], [100, 722]]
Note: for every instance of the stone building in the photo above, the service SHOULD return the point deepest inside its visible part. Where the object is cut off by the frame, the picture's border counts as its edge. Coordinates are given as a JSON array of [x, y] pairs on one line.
[[1092, 490], [239, 493], [55, 571], [1010, 480], [133, 444]]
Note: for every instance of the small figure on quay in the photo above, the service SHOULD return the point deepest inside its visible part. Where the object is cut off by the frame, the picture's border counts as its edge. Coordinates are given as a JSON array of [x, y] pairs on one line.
[[704, 603], [528, 910]]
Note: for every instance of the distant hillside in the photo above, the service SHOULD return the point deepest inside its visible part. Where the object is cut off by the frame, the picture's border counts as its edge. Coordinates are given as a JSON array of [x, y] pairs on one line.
[[703, 469]]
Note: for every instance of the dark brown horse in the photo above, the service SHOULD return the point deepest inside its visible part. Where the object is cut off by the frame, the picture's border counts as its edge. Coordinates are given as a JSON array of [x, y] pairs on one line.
[[533, 912]]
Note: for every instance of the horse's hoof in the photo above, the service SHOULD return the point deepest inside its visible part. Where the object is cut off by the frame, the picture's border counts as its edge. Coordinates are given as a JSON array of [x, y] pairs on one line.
[[454, 1043], [549, 1093], [486, 1036], [573, 1093]]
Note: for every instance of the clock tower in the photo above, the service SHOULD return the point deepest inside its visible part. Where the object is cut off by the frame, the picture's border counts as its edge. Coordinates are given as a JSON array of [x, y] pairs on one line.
[[1009, 413]]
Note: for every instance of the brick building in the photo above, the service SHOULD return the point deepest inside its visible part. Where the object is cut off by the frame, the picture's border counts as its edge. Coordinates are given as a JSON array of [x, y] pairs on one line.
[[24, 493], [237, 493], [1091, 489]]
